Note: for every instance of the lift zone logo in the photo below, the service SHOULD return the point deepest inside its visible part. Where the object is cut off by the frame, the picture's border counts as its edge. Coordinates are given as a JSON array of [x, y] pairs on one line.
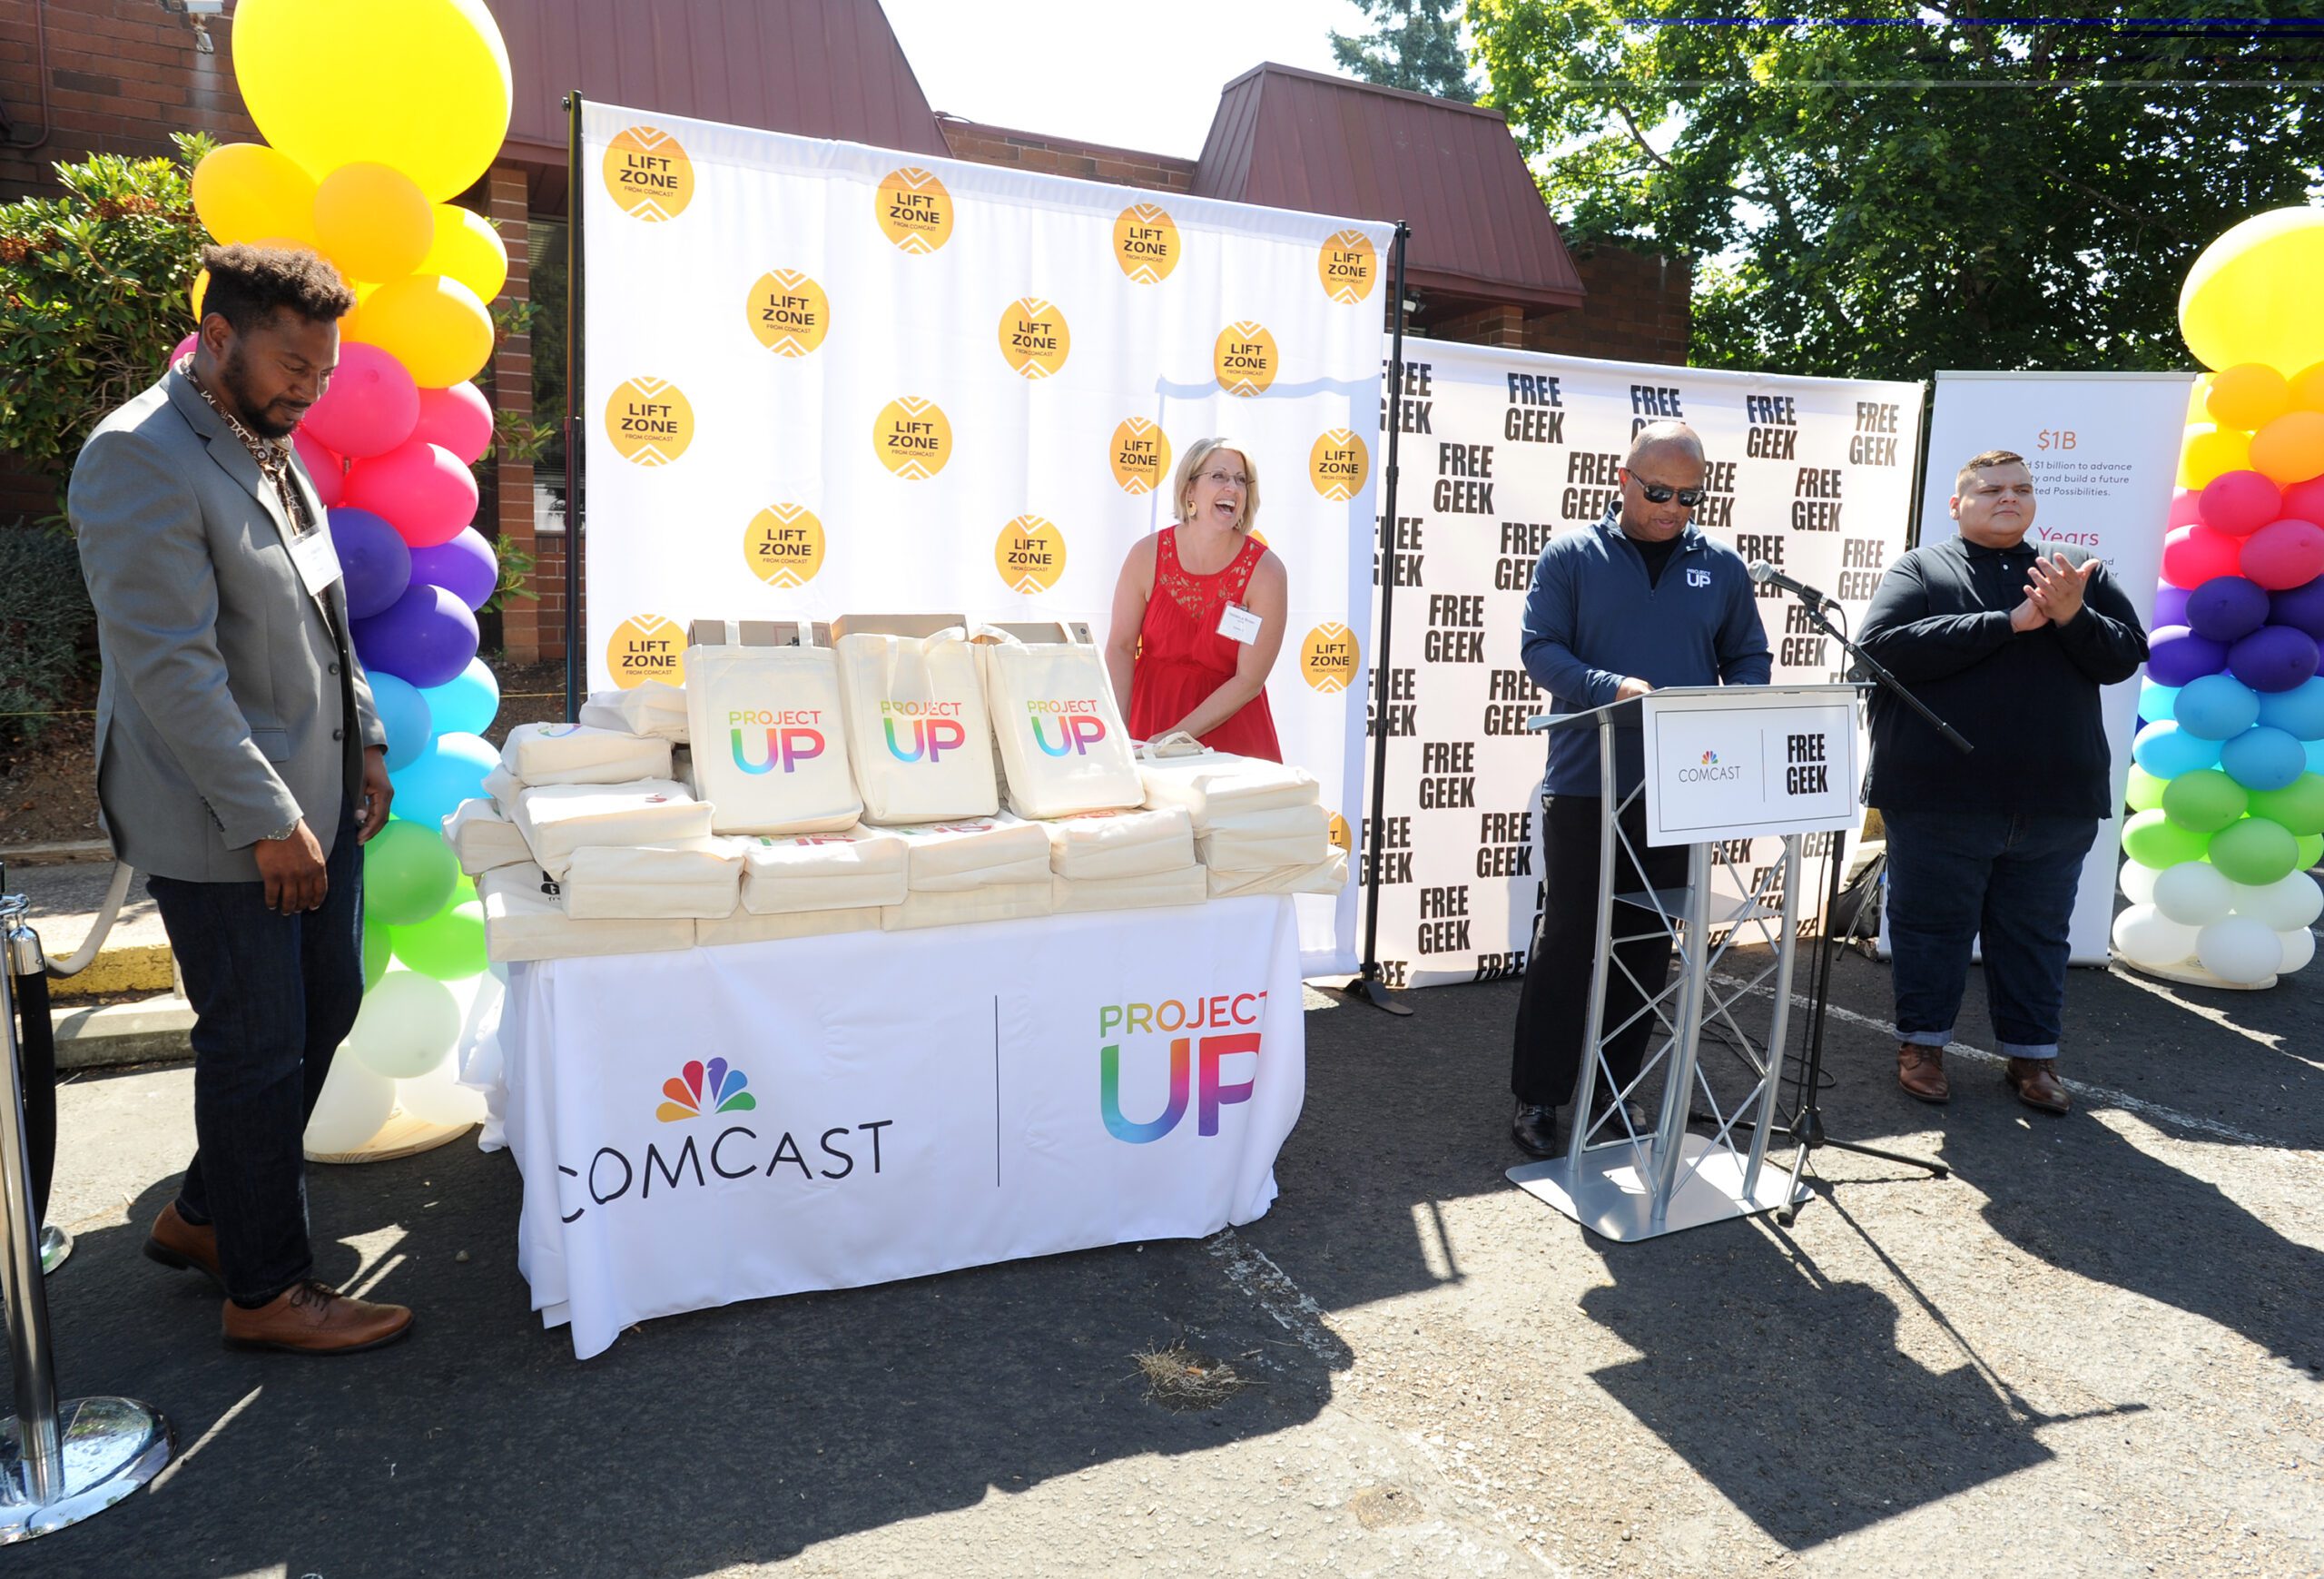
[[1195, 1038]]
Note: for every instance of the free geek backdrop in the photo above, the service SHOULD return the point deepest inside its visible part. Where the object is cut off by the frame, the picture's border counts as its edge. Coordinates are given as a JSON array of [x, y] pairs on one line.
[[825, 378]]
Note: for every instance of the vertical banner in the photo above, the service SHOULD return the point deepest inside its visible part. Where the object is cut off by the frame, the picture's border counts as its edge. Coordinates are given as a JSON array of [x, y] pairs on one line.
[[1501, 450], [2103, 449], [824, 378]]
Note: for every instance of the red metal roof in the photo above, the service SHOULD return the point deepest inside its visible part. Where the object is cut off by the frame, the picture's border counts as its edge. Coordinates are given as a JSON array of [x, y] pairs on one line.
[[1296, 139]]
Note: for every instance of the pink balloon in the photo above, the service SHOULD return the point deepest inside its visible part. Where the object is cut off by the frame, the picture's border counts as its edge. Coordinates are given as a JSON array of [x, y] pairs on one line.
[[459, 419], [421, 489], [327, 470], [2285, 555], [2186, 510], [2240, 503], [371, 406], [184, 347], [2193, 555], [2304, 501]]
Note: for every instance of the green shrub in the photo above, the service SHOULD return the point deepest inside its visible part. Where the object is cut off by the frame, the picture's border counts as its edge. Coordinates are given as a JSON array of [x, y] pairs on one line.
[[44, 615]]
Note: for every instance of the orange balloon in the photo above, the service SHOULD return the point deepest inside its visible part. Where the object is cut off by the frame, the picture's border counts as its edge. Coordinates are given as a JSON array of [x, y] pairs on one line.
[[374, 220], [2307, 389], [2291, 449], [2210, 451], [2249, 395]]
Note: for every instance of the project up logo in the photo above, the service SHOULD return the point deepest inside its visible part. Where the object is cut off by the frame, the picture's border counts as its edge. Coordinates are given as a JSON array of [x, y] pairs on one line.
[[921, 731], [1197, 1066], [793, 735], [1074, 722]]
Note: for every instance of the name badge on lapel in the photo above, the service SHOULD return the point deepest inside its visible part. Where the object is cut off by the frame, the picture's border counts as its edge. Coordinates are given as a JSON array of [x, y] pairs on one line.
[[317, 560], [1238, 624]]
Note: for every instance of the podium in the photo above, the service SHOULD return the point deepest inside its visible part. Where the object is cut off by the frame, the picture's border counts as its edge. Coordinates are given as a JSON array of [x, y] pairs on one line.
[[1718, 763]]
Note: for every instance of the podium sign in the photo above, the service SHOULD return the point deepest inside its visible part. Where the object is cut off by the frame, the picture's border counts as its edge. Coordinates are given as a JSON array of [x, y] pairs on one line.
[[1732, 762]]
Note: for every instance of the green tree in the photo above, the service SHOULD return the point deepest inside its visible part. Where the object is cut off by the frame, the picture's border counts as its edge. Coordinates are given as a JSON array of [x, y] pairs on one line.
[[1416, 47], [94, 290], [1919, 188]]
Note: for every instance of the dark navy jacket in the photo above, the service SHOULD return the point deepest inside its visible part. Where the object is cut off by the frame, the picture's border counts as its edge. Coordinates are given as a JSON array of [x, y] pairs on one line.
[[1592, 618]]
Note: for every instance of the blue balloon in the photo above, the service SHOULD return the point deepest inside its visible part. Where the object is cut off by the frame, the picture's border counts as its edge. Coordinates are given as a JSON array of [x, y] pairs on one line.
[[2275, 658], [468, 568], [2156, 702], [2298, 712], [427, 636], [404, 713], [2176, 655], [2261, 759], [468, 702], [373, 557], [2302, 605], [2170, 605], [2216, 706], [2315, 749], [451, 770], [2225, 608], [2166, 751]]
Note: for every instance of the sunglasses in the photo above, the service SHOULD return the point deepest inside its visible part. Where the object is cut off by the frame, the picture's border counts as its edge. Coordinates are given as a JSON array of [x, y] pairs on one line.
[[1659, 493]]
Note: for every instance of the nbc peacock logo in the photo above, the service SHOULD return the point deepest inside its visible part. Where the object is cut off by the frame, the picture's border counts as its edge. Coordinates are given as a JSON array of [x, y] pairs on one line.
[[1336, 465], [649, 421], [1347, 263], [912, 437], [1146, 244], [1711, 759], [784, 546], [1140, 454], [915, 210], [648, 174], [1245, 359], [1034, 337], [716, 1086], [788, 312]]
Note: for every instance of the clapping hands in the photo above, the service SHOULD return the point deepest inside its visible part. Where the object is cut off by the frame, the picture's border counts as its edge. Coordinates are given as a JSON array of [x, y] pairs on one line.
[[2053, 595]]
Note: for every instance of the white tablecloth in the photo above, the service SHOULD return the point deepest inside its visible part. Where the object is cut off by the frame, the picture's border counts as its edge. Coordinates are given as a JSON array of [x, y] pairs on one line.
[[758, 1119]]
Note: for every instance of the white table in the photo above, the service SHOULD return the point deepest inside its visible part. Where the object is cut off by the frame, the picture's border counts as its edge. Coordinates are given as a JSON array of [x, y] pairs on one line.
[[911, 1102]]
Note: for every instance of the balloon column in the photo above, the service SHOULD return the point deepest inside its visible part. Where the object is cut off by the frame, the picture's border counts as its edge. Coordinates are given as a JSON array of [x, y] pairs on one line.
[[2228, 789], [360, 163]]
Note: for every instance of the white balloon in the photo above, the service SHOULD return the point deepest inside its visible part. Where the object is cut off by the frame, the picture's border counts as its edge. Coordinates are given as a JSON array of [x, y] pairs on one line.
[[2239, 950], [2194, 893], [2299, 947], [355, 1102], [2290, 904], [2148, 937], [2138, 882], [407, 1023], [437, 1097]]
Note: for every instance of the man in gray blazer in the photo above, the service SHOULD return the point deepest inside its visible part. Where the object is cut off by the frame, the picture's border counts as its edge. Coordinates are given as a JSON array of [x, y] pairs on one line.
[[241, 766]]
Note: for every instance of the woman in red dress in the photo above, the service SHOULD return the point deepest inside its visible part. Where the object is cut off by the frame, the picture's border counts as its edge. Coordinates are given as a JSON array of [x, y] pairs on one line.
[[1198, 615]]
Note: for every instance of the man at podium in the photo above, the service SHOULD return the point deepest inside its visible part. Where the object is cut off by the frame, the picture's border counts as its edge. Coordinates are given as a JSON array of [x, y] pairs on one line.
[[1642, 599]]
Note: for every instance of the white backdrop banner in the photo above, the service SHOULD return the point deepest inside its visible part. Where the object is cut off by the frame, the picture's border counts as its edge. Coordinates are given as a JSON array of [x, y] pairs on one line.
[[1499, 451], [825, 378], [2105, 452]]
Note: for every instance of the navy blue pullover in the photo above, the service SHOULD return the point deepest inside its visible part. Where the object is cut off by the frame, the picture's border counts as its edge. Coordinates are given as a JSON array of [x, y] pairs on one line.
[[1592, 617]]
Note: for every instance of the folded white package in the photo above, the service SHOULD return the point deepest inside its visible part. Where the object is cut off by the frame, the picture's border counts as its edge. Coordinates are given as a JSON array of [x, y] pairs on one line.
[[845, 870], [972, 852], [540, 754], [482, 837], [692, 879], [1216, 784], [1000, 901], [560, 818], [742, 927], [504, 787], [1102, 845], [1187, 885], [1324, 877], [523, 920], [649, 708], [1255, 840]]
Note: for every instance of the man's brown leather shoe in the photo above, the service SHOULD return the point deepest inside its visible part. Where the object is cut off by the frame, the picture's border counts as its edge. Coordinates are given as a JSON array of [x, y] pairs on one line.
[[313, 1318], [175, 1242], [2035, 1082], [1921, 1071]]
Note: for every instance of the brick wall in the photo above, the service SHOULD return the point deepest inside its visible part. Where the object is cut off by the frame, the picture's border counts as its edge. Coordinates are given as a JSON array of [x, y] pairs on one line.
[[1049, 155], [504, 191], [1636, 309], [548, 581]]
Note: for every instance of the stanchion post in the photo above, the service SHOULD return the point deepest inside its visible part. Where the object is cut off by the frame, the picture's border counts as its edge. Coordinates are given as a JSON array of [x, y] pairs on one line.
[[1368, 987], [576, 448]]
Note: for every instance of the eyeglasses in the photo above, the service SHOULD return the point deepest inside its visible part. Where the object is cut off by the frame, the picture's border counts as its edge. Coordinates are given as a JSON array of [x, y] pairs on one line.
[[1221, 478], [1657, 493]]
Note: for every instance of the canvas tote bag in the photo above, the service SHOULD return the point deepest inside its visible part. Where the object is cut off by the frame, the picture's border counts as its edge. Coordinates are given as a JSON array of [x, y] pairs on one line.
[[769, 751], [916, 729], [1063, 748]]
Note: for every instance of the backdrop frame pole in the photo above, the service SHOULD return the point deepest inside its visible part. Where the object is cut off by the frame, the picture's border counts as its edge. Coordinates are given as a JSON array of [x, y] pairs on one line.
[[575, 456], [1369, 987]]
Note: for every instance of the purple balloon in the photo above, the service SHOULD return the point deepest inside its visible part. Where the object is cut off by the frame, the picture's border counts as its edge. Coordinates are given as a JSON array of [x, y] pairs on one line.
[[2301, 605], [374, 558], [2224, 608], [2170, 605], [2176, 655], [2275, 658], [468, 568], [426, 639]]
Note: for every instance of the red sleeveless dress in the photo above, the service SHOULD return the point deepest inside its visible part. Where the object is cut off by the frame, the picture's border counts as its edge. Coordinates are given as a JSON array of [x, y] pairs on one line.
[[1182, 658]]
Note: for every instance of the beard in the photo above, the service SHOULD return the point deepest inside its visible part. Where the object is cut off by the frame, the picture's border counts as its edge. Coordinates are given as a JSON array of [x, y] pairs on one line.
[[234, 376]]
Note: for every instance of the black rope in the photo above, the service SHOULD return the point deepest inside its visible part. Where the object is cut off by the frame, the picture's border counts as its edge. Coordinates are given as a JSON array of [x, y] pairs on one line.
[[37, 1069]]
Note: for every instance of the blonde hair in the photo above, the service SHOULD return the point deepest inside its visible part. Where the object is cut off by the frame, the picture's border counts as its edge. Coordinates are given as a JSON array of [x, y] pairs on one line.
[[1190, 466]]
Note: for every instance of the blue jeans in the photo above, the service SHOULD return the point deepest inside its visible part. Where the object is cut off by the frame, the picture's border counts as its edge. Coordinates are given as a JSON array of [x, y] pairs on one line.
[[273, 996], [2008, 876]]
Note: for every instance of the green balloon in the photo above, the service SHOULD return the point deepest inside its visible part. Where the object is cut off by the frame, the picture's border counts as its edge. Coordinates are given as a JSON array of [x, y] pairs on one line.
[[2255, 852], [375, 953], [2153, 839], [2311, 851], [2298, 805], [449, 946], [409, 873], [2205, 799], [2145, 791]]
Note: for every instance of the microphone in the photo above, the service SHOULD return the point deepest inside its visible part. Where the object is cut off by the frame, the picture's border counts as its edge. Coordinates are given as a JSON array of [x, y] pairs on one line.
[[1766, 574]]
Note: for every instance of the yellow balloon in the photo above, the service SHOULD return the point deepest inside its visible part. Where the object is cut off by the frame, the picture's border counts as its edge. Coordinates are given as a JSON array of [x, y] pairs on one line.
[[2199, 396], [2291, 449], [436, 327], [422, 85], [374, 220], [2249, 395], [201, 290], [2307, 389], [243, 190], [2210, 451], [467, 249], [2252, 297]]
